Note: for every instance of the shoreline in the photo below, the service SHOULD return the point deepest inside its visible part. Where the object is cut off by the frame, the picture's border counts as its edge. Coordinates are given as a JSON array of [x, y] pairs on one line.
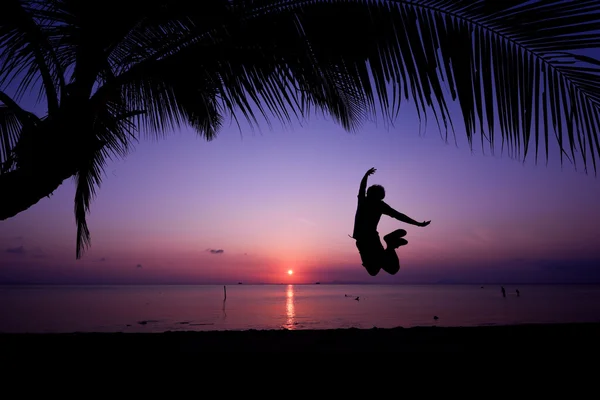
[[522, 337]]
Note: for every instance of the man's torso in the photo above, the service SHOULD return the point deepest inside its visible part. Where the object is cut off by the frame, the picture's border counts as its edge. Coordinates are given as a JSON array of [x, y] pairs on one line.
[[368, 214]]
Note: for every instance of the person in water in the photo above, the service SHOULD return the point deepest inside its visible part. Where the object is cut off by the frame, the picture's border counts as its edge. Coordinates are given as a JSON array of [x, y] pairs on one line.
[[368, 213]]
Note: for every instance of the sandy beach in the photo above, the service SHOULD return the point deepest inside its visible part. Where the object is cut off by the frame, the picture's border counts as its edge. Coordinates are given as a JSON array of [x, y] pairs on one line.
[[537, 337]]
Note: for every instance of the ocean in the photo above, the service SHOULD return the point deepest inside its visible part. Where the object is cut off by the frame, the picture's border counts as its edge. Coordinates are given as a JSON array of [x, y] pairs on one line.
[[45, 309]]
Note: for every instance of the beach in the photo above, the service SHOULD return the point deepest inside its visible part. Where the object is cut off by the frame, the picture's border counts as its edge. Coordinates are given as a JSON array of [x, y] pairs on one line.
[[510, 338]]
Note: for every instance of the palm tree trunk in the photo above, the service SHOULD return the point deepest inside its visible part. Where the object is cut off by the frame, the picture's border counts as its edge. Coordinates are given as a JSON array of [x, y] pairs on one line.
[[20, 189]]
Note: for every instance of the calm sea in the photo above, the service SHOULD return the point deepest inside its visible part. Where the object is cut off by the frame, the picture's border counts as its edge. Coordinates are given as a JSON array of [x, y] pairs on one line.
[[163, 308]]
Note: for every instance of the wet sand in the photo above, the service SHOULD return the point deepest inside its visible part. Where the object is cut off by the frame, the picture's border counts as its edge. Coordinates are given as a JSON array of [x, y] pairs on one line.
[[536, 337]]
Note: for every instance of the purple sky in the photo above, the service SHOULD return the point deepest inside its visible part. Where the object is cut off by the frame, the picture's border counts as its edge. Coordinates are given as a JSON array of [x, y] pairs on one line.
[[269, 201]]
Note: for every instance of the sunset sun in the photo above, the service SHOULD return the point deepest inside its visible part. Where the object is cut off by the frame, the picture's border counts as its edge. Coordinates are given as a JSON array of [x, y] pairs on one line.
[[290, 272]]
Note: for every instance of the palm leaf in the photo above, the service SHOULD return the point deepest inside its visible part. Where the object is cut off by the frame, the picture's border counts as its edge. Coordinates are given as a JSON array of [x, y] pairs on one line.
[[88, 177], [27, 54], [512, 65], [12, 119], [113, 133], [227, 75], [9, 132]]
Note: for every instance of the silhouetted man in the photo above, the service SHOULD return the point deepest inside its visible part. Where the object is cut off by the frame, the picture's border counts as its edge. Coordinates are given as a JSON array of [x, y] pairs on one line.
[[368, 213]]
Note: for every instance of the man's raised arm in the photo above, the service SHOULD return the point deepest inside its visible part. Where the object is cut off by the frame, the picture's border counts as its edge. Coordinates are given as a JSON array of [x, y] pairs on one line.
[[362, 191]]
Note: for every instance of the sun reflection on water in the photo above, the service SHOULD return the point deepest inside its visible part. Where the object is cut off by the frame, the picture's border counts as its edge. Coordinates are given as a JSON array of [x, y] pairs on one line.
[[289, 308]]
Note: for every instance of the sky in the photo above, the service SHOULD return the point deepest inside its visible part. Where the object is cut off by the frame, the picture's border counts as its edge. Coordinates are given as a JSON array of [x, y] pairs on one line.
[[251, 205]]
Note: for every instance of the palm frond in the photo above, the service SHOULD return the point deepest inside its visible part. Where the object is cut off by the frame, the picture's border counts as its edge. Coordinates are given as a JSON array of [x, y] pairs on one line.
[[88, 177], [9, 134], [232, 75], [26, 52], [512, 65], [24, 117], [114, 131], [12, 120], [505, 62]]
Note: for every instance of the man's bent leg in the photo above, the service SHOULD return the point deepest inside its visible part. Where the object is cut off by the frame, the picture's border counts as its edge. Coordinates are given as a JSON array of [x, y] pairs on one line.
[[372, 269], [391, 263], [394, 239], [372, 257]]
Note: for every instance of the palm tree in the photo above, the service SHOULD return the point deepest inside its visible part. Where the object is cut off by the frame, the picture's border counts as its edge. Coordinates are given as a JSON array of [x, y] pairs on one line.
[[109, 71]]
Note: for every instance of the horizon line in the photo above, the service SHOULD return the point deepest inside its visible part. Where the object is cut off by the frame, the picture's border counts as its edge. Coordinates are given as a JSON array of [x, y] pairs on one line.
[[298, 284]]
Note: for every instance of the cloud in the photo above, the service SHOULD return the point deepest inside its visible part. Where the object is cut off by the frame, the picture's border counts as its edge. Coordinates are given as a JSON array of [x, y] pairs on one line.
[[307, 221], [216, 251], [38, 253], [16, 250], [139, 266]]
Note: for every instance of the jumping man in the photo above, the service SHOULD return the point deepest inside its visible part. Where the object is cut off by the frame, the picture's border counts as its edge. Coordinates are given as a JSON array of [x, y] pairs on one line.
[[368, 213]]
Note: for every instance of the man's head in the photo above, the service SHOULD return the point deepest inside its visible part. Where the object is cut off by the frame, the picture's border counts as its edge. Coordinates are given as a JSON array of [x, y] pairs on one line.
[[376, 192]]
